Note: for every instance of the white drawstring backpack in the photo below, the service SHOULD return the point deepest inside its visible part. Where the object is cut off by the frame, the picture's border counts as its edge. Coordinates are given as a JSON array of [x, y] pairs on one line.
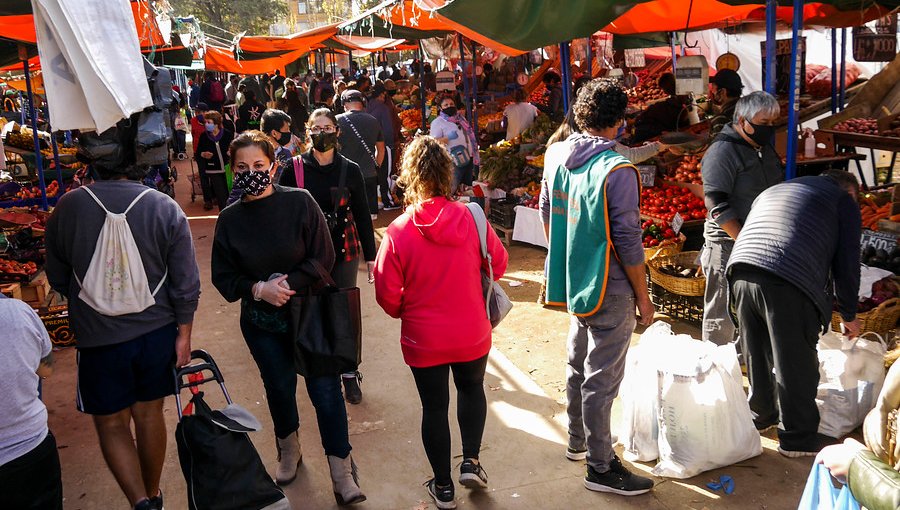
[[115, 282]]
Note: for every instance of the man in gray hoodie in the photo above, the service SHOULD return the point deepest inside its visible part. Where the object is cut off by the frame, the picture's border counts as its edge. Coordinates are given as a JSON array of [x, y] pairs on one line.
[[125, 361], [595, 268]]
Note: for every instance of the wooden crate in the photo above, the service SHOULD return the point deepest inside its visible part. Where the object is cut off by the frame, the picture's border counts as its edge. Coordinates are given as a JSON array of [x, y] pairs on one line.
[[35, 292], [11, 290]]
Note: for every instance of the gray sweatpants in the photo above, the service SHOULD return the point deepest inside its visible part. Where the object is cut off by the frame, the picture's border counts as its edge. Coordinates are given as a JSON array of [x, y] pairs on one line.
[[718, 327], [597, 346]]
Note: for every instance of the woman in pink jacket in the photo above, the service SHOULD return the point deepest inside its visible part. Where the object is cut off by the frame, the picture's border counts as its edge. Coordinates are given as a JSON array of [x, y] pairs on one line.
[[427, 274]]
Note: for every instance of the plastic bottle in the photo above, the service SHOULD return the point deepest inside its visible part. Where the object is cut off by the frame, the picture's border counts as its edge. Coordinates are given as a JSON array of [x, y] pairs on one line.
[[809, 145]]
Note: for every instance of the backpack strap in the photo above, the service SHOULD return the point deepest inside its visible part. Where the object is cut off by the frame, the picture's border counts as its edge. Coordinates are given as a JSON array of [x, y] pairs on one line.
[[298, 170], [342, 183], [481, 226], [136, 199], [91, 193]]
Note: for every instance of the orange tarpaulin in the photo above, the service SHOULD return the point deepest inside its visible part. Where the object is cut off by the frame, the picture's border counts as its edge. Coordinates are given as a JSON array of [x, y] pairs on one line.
[[21, 27], [672, 15], [222, 59], [301, 41], [369, 44]]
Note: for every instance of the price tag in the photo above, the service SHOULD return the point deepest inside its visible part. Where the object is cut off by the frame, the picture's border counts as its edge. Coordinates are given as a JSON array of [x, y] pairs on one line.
[[878, 240], [635, 58], [648, 175], [677, 223]]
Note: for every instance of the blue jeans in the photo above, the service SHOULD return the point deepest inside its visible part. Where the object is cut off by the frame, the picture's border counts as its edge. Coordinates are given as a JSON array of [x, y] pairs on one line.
[[597, 345], [274, 355]]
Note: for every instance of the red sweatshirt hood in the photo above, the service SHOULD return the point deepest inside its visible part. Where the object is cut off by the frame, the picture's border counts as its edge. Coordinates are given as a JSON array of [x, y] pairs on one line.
[[442, 221]]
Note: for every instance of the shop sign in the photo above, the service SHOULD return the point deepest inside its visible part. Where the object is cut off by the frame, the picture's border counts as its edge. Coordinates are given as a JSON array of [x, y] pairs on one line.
[[444, 80], [783, 65], [879, 45], [635, 58], [648, 175]]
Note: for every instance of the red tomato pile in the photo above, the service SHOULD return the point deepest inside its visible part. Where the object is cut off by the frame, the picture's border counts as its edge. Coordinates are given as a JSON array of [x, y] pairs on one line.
[[664, 201], [655, 234], [689, 170]]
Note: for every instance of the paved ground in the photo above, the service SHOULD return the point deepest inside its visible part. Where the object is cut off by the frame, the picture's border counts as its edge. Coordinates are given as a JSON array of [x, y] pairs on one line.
[[523, 444]]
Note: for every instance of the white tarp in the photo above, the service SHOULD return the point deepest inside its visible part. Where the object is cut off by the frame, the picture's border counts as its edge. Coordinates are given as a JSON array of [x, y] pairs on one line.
[[91, 60]]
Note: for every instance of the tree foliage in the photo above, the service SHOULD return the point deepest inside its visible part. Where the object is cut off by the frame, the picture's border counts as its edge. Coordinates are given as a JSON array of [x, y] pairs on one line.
[[252, 16]]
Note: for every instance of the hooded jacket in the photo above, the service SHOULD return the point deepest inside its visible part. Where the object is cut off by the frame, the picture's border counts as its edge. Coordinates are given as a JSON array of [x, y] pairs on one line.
[[427, 274], [622, 203]]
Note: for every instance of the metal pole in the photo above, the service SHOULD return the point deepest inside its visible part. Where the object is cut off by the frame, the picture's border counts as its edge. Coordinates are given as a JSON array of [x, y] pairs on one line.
[[422, 92], [771, 42], [843, 67], [794, 92], [68, 137], [834, 93], [38, 163], [462, 65], [59, 177], [590, 58], [21, 108], [564, 71], [474, 96], [674, 59], [372, 57]]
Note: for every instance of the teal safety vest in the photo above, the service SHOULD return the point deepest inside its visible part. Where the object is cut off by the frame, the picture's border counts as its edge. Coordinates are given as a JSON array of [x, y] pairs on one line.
[[580, 243]]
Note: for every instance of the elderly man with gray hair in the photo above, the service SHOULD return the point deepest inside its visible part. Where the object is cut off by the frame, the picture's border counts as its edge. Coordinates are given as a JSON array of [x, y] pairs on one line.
[[740, 164]]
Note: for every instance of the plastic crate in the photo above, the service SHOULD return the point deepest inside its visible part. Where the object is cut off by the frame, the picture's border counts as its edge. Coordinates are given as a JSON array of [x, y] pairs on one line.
[[503, 212], [684, 308]]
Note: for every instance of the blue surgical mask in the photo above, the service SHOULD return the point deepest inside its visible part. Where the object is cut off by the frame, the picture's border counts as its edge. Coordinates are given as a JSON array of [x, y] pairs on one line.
[[621, 130], [210, 128]]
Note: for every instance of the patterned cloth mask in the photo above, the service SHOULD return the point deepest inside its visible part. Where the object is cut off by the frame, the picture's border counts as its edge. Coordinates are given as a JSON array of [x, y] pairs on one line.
[[254, 182]]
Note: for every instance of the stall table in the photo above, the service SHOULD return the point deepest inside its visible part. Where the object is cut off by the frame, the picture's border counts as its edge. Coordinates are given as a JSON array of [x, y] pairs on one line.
[[528, 227], [845, 140]]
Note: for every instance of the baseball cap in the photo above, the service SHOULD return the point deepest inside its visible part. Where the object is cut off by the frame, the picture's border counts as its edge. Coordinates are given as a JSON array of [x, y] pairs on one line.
[[352, 95], [728, 79], [202, 106], [389, 85]]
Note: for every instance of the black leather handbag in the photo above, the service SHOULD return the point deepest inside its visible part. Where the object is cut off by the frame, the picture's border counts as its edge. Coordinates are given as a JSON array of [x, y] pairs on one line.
[[326, 325]]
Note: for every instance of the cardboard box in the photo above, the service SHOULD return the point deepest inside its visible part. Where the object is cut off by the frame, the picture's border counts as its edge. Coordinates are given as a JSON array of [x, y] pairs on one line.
[[11, 290], [56, 320], [35, 292]]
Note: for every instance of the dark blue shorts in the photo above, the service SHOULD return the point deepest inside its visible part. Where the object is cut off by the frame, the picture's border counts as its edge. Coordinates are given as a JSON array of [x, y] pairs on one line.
[[114, 377]]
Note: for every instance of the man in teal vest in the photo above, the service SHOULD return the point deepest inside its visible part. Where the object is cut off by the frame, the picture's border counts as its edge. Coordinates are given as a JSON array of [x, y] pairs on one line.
[[596, 269]]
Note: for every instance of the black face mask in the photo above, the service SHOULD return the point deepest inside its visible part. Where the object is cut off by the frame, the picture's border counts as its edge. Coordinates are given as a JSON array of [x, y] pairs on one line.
[[324, 142], [283, 138], [451, 111], [762, 135]]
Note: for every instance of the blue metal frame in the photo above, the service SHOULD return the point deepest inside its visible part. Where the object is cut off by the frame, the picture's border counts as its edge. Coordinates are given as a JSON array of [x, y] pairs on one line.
[[38, 158], [834, 92], [771, 20], [474, 94], [794, 92], [674, 56], [565, 68], [843, 76]]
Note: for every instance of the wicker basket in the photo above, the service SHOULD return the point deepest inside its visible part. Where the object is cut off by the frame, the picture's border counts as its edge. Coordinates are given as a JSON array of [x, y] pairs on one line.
[[668, 247], [880, 319], [674, 284]]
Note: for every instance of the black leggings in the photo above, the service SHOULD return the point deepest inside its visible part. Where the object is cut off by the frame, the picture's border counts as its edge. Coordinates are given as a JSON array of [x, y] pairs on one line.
[[434, 391]]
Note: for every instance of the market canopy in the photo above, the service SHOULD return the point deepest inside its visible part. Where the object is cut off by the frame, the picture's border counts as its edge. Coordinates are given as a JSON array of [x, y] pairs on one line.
[[528, 24], [223, 60], [366, 44]]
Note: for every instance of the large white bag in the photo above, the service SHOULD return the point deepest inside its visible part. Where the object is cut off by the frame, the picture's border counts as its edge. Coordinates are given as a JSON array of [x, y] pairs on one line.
[[638, 392], [704, 419], [851, 373]]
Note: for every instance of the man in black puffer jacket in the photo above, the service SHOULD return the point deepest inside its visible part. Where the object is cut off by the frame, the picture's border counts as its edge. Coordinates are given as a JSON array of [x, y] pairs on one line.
[[799, 237]]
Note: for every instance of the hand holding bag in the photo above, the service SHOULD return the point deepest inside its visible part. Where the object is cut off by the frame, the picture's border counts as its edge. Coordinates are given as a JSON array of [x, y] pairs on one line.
[[496, 302], [326, 325]]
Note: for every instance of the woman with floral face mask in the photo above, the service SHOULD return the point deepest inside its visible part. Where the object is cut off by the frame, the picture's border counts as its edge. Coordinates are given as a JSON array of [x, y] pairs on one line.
[[451, 129], [258, 261], [338, 186]]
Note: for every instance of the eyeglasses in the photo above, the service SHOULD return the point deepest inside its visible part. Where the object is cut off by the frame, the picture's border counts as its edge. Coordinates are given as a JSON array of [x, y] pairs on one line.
[[327, 129]]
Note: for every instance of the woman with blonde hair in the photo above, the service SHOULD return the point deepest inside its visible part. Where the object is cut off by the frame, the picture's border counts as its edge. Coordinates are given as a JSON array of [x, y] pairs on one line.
[[428, 274]]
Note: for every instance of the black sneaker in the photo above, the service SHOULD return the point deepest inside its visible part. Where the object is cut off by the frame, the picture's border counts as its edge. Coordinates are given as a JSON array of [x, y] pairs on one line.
[[157, 501], [796, 452], [472, 475], [443, 496], [144, 504], [352, 391], [576, 454], [618, 480]]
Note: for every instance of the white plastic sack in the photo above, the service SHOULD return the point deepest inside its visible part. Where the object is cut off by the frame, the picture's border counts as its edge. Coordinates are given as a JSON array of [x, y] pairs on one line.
[[704, 419], [639, 391], [851, 373], [91, 60]]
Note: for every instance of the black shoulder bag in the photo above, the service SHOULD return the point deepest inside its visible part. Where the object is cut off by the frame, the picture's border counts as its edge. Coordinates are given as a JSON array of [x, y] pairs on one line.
[[326, 325]]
